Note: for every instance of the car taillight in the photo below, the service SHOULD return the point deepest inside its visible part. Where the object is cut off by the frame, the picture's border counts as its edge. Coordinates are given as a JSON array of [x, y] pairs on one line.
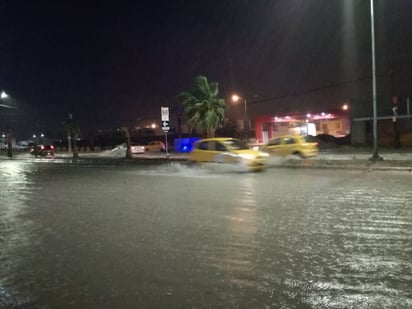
[[51, 147], [41, 147]]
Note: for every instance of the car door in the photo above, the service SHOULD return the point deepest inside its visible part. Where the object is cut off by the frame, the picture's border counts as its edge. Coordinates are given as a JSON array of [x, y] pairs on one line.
[[203, 152], [150, 146], [274, 146], [222, 154], [289, 146]]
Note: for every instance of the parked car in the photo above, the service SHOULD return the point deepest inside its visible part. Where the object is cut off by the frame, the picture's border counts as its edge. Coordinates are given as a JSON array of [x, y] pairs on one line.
[[303, 146], [42, 150], [227, 150], [137, 148], [120, 150], [155, 146]]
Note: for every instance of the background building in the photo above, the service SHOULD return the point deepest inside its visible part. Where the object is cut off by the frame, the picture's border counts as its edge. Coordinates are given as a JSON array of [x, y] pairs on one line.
[[268, 127]]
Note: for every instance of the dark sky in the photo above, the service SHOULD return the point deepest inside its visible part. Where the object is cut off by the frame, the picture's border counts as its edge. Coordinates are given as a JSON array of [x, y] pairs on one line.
[[113, 62]]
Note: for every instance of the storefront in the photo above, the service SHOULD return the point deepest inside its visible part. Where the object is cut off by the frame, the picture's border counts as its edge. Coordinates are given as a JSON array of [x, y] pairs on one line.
[[267, 127]]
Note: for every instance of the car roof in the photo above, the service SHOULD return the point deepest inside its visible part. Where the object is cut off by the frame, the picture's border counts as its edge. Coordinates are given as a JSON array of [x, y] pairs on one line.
[[219, 139]]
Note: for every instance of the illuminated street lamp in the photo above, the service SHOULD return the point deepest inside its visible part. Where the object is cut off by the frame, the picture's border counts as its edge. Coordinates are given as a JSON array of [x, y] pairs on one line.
[[236, 98], [3, 98], [345, 107]]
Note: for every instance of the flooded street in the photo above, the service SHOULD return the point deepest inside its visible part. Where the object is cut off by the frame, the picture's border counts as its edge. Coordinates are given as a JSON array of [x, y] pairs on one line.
[[177, 236]]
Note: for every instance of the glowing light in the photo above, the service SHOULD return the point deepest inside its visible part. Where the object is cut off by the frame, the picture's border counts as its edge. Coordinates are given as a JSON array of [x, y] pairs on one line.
[[4, 95], [235, 98], [153, 125], [247, 156], [308, 115], [345, 107]]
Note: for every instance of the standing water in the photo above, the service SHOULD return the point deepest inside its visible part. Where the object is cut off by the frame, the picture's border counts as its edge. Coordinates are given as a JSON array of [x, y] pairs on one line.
[[174, 236]]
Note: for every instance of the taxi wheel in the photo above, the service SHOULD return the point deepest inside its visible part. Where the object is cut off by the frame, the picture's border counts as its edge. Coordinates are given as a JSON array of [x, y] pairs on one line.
[[298, 154]]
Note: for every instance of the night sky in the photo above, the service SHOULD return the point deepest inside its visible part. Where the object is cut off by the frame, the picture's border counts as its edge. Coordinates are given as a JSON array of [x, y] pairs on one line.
[[110, 63]]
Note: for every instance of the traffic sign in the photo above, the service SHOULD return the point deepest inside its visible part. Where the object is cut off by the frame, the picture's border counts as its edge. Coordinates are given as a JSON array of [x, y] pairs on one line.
[[165, 113], [165, 126]]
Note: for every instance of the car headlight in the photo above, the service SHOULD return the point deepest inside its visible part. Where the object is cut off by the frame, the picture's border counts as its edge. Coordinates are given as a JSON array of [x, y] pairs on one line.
[[263, 154], [247, 156]]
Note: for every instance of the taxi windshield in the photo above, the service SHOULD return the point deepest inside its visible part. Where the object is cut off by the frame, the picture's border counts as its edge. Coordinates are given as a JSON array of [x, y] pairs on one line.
[[235, 144]]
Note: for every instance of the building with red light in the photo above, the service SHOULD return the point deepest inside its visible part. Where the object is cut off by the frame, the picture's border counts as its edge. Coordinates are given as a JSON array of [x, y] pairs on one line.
[[268, 127]]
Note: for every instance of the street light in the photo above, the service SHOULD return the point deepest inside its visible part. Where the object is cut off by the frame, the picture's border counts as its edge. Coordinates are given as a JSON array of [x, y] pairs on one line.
[[4, 97], [375, 156], [236, 98]]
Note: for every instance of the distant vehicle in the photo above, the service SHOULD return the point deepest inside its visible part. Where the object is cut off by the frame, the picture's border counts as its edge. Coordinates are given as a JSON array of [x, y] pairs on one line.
[[121, 147], [42, 150], [137, 148], [155, 146], [229, 151], [303, 146], [23, 145], [120, 150]]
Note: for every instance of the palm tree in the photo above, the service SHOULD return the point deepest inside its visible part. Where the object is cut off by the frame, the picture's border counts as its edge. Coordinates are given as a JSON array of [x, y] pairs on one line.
[[204, 110]]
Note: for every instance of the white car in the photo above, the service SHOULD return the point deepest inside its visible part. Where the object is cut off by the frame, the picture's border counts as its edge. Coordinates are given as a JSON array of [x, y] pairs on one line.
[[120, 150], [137, 148], [155, 146]]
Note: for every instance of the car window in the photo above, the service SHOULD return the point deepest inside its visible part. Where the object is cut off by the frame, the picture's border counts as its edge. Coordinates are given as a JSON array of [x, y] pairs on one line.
[[274, 142], [203, 146], [235, 144], [220, 147], [289, 140], [309, 139]]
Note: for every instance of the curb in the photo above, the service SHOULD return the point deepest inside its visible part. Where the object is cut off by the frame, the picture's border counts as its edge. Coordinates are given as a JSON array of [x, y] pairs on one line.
[[320, 163], [390, 165]]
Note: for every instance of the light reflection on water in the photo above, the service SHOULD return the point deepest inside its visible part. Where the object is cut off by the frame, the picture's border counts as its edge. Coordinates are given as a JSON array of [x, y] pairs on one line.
[[237, 256], [13, 196], [174, 234]]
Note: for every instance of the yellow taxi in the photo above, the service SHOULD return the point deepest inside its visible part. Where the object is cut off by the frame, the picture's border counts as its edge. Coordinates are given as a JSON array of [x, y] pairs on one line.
[[227, 150], [303, 146]]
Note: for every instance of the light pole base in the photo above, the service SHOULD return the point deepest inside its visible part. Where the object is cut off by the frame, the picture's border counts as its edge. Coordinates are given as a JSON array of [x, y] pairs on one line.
[[375, 158]]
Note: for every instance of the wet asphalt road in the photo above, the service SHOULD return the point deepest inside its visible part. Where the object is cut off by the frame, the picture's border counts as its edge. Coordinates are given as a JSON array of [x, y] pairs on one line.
[[176, 236]]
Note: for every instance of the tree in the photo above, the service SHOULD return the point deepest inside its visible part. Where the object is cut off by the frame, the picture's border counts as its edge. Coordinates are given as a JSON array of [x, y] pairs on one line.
[[9, 143], [126, 133], [178, 113], [203, 109]]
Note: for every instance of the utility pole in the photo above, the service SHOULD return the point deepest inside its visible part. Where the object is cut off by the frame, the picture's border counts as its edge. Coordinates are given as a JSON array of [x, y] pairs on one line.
[[375, 156]]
